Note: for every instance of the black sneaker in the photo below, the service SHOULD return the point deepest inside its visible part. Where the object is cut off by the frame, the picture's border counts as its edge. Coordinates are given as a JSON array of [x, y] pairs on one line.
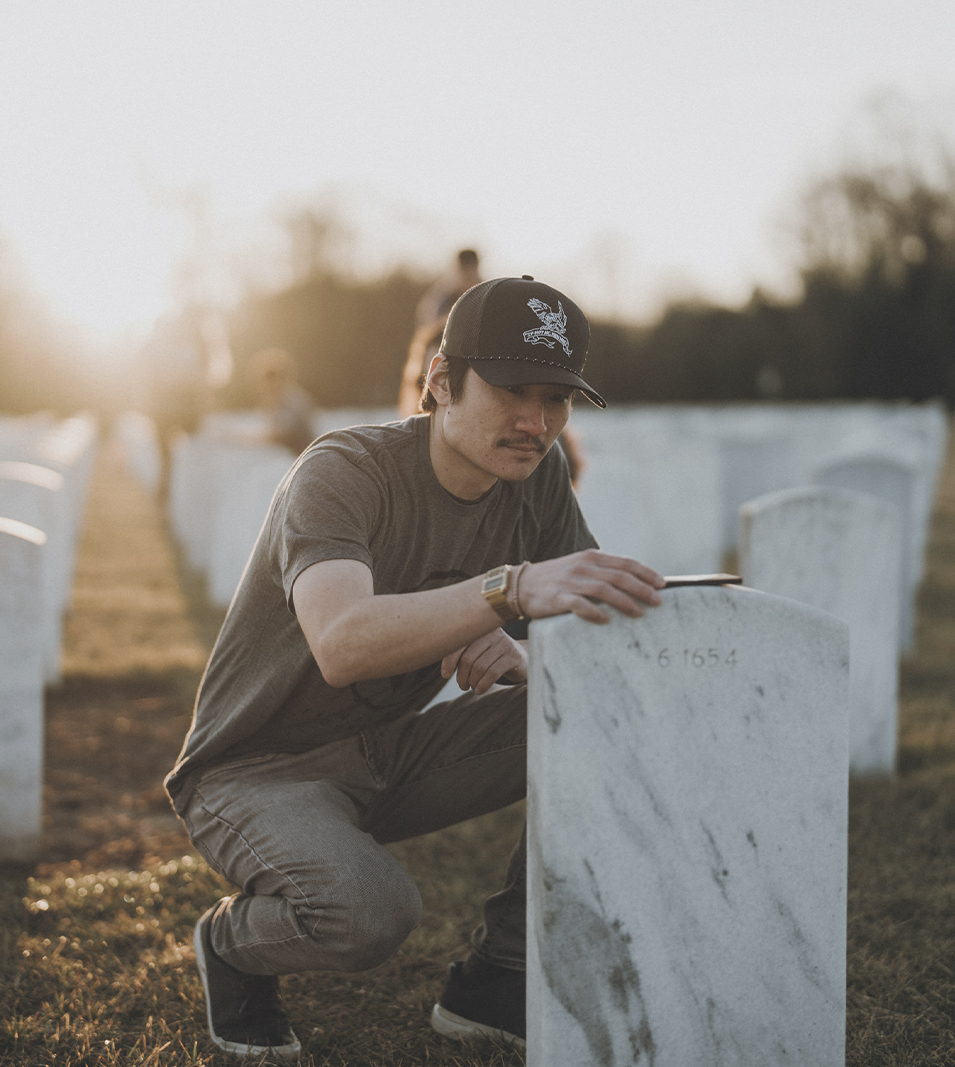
[[482, 1001], [244, 1010]]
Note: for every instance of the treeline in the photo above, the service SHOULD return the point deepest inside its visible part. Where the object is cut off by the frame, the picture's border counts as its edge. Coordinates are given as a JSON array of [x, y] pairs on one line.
[[875, 319], [39, 369], [349, 337]]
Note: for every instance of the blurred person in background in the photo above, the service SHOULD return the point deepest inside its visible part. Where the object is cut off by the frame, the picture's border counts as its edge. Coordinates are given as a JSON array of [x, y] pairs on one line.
[[290, 410], [430, 316], [393, 558], [179, 390]]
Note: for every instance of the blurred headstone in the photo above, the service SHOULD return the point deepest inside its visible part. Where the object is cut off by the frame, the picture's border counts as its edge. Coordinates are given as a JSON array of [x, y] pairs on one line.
[[839, 551], [892, 480], [242, 506], [655, 497]]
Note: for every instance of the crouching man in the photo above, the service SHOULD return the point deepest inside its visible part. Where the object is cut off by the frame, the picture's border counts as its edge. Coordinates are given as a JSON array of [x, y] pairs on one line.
[[391, 558]]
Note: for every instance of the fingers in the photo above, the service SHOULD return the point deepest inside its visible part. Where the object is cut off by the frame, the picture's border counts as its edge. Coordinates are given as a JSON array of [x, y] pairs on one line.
[[647, 575], [628, 589], [485, 661], [450, 663], [585, 581]]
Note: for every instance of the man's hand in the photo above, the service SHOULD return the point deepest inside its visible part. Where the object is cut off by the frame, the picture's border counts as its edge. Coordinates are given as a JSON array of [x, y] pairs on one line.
[[581, 582], [485, 661]]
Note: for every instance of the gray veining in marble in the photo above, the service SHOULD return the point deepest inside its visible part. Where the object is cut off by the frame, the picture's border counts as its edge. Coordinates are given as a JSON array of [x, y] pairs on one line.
[[839, 551], [687, 817]]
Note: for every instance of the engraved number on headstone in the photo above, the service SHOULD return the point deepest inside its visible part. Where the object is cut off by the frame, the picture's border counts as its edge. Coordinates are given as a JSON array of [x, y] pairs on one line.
[[697, 657]]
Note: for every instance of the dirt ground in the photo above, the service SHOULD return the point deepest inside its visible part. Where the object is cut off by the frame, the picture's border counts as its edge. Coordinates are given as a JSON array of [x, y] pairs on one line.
[[135, 642]]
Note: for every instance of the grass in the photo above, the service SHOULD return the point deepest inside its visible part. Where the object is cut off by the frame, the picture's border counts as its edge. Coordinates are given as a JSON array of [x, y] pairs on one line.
[[101, 969], [96, 964]]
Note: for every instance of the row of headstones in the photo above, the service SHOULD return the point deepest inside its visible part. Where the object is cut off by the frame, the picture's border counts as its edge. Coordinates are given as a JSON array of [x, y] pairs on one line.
[[662, 483], [687, 471], [715, 938], [221, 482], [690, 908], [651, 490], [688, 771], [45, 468]]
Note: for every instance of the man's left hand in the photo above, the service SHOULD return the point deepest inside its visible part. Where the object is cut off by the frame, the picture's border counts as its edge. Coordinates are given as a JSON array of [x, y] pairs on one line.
[[486, 661]]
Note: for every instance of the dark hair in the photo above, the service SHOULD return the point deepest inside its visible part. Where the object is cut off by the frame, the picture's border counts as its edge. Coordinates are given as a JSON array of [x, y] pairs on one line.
[[467, 257], [457, 372]]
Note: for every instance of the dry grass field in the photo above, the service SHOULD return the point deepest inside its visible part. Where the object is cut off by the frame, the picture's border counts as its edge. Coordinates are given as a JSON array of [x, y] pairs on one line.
[[96, 962]]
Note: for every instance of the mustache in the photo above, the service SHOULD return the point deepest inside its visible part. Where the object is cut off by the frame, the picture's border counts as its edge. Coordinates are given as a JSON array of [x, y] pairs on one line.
[[522, 442]]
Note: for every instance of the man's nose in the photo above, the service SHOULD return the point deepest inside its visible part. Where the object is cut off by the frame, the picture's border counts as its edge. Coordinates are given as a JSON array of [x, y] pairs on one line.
[[530, 418]]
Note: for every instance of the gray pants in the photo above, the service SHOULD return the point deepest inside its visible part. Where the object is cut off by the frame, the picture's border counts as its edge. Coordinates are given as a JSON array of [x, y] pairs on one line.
[[302, 835]]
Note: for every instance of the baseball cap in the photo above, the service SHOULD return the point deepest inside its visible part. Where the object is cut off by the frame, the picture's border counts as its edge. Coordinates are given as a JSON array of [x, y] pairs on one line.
[[518, 331]]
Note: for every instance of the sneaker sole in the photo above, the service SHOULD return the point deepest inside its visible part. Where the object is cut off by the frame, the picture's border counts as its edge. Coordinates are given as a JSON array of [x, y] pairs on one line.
[[458, 1028], [232, 1046]]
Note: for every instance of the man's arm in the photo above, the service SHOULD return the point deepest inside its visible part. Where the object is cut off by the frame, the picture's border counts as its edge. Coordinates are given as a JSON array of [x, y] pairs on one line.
[[355, 635]]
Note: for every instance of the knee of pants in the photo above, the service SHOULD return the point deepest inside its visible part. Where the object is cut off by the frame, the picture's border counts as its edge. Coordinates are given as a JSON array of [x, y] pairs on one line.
[[372, 920]]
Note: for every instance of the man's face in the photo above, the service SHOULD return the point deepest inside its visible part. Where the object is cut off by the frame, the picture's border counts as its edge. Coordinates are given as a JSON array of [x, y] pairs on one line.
[[494, 432]]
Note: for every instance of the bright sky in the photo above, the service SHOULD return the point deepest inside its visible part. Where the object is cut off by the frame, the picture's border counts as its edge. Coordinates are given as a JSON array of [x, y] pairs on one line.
[[625, 151]]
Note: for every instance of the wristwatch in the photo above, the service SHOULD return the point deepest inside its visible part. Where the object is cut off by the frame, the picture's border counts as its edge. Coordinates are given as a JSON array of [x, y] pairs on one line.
[[494, 587]]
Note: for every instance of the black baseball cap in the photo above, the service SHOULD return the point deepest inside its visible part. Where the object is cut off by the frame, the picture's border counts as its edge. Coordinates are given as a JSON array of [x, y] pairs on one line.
[[518, 331]]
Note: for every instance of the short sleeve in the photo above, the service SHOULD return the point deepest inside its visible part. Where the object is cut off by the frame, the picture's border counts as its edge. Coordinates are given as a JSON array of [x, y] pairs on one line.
[[328, 508], [563, 529]]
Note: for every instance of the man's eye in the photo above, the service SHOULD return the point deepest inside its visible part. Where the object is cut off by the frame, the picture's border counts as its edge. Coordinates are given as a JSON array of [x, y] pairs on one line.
[[561, 398], [517, 390]]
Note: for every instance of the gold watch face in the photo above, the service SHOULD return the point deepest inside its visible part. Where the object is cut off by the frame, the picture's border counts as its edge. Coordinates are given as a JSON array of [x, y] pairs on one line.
[[495, 583], [494, 588]]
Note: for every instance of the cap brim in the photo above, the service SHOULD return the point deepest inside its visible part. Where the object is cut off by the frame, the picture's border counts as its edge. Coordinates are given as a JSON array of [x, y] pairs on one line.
[[526, 372]]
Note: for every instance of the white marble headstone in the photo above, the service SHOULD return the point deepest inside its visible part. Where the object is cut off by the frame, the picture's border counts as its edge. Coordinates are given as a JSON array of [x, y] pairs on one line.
[[21, 689], [243, 506], [893, 480], [839, 551], [687, 823], [653, 496], [751, 466]]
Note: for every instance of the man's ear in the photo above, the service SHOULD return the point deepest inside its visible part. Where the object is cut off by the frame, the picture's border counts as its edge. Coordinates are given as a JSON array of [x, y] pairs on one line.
[[437, 380]]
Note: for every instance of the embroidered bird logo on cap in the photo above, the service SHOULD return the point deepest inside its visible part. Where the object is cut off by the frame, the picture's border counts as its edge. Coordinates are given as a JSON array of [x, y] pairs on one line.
[[554, 328]]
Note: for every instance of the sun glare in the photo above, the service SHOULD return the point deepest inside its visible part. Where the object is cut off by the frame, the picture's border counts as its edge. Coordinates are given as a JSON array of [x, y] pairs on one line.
[[542, 129]]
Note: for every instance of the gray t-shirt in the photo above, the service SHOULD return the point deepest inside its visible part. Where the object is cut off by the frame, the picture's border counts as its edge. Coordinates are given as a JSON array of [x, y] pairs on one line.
[[367, 493]]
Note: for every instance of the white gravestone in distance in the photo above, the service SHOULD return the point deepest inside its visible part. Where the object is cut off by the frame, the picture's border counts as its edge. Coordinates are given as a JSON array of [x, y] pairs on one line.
[[651, 496], [21, 689], [239, 519], [892, 480], [752, 466], [687, 827], [839, 551]]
